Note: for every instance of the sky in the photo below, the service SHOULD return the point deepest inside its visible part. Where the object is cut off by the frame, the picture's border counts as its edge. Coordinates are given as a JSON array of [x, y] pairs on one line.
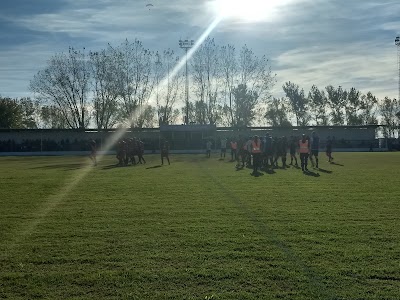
[[348, 43]]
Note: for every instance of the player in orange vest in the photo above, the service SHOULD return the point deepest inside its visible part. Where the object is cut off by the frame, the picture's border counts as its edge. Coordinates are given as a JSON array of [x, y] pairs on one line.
[[304, 150], [256, 152]]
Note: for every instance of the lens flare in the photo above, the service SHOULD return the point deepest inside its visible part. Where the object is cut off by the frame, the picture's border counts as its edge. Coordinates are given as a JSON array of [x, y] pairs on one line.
[[247, 10], [54, 200]]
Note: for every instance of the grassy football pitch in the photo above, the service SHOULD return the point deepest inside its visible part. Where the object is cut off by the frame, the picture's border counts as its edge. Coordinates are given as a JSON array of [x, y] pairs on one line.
[[199, 229]]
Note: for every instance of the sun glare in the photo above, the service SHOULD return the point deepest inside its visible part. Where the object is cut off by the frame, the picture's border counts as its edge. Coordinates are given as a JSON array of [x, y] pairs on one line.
[[247, 10]]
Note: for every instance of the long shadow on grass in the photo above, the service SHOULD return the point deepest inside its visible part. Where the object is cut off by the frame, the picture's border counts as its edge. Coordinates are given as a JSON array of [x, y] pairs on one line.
[[316, 282], [257, 174], [295, 167], [74, 166], [269, 171], [111, 167], [154, 167], [325, 171], [336, 164], [311, 173]]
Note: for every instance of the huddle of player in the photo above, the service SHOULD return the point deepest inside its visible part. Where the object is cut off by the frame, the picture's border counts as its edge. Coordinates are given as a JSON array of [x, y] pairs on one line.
[[267, 151], [127, 149]]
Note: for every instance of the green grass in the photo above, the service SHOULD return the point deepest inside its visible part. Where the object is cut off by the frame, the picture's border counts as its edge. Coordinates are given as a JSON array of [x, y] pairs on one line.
[[199, 229]]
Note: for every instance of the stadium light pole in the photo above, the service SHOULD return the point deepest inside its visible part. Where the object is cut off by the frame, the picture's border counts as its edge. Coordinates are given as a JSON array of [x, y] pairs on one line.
[[158, 69], [397, 43], [186, 44]]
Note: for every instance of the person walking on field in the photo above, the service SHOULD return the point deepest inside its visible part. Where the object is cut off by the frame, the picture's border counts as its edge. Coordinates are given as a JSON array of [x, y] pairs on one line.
[[141, 151], [329, 149], [234, 146], [256, 152], [223, 146], [165, 152], [283, 150], [268, 151], [314, 149], [208, 148], [241, 154], [304, 150], [248, 151], [293, 147], [93, 152]]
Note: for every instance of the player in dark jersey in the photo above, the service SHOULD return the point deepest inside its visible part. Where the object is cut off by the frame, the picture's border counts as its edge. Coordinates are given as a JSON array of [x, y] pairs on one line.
[[131, 151], [121, 152], [93, 152], [241, 154], [314, 149], [282, 150], [140, 151], [275, 152], [329, 149], [293, 149], [268, 153], [165, 152]]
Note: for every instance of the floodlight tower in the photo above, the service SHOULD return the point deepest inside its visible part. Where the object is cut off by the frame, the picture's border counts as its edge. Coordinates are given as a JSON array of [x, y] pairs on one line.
[[186, 44], [397, 43]]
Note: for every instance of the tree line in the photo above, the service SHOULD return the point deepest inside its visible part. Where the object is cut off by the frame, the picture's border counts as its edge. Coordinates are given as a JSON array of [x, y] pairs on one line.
[[130, 85], [332, 106]]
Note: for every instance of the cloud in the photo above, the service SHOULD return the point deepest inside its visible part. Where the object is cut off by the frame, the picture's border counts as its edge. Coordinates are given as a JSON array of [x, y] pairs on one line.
[[338, 42], [365, 66]]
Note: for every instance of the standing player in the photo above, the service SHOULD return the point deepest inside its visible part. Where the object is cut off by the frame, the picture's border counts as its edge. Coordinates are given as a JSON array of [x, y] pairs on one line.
[[241, 155], [165, 152], [121, 152], [141, 151], [93, 152], [304, 150], [329, 149], [283, 150], [314, 149], [208, 148], [268, 153], [234, 146], [293, 147], [256, 152], [275, 152], [223, 146], [249, 151]]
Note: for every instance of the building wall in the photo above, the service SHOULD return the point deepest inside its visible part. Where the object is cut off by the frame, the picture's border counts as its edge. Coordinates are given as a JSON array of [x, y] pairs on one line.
[[185, 138]]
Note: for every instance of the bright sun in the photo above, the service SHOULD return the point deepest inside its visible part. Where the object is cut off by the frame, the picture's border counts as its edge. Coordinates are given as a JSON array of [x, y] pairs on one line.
[[247, 10]]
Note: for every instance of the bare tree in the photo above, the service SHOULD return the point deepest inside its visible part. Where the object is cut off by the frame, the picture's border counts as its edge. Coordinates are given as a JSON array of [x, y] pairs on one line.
[[255, 73], [229, 70], [244, 72], [65, 83], [170, 93], [136, 80], [105, 88], [207, 80]]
